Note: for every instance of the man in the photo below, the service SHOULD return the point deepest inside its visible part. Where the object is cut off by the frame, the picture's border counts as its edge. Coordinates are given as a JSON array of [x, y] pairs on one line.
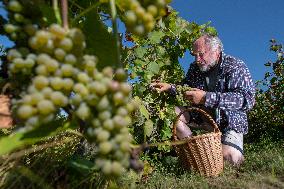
[[221, 85]]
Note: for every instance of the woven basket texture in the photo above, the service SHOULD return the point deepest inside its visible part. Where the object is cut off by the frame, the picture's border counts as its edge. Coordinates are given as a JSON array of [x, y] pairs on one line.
[[202, 153]]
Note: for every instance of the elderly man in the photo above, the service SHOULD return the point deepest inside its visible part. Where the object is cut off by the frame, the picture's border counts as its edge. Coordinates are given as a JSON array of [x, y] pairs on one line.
[[221, 85]]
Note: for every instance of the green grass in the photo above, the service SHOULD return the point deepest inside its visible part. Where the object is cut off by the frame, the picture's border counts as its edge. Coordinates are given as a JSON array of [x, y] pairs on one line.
[[263, 168]]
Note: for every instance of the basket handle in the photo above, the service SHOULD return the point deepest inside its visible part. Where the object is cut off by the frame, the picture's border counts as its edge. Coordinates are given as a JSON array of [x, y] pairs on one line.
[[213, 123]]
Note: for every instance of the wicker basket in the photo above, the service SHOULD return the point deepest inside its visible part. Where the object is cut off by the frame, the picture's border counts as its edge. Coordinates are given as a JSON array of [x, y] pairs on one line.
[[202, 153]]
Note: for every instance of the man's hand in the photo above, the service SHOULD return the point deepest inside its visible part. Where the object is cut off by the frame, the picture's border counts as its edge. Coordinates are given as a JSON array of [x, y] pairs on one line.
[[160, 87], [196, 96]]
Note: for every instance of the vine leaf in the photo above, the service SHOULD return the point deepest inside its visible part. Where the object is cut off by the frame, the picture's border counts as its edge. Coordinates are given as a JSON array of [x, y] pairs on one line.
[[99, 41], [155, 37], [140, 52], [154, 67], [148, 128]]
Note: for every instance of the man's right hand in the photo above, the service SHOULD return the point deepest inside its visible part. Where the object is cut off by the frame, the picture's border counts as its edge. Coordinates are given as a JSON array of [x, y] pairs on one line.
[[161, 87]]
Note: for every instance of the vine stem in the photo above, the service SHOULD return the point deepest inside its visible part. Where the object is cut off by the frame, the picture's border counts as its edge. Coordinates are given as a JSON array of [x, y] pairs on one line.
[[56, 11], [115, 31], [64, 11]]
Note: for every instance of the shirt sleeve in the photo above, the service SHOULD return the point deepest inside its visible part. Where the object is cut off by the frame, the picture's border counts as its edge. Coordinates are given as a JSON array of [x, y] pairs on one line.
[[240, 95]]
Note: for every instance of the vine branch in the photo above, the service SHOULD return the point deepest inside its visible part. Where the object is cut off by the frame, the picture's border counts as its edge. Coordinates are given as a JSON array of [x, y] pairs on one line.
[[56, 11], [64, 11], [115, 31]]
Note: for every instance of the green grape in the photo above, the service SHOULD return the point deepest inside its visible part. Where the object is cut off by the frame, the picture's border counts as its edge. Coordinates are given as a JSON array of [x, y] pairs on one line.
[[81, 89], [83, 77], [139, 30], [108, 72], [90, 65], [47, 91], [96, 123], [120, 75], [66, 44], [125, 88], [105, 148], [76, 99], [12, 54], [70, 59], [29, 63], [33, 43], [103, 136], [152, 10], [18, 63], [103, 104], [107, 168], [124, 146], [10, 28], [97, 88], [117, 168], [15, 6], [119, 122], [18, 17], [118, 98], [68, 84], [104, 115], [56, 83], [67, 70], [42, 37], [40, 82], [122, 111], [41, 70], [32, 89], [33, 121], [36, 97], [130, 17], [83, 112], [45, 107], [25, 111], [57, 30], [59, 54], [92, 99], [27, 99], [58, 99], [108, 124], [43, 58], [52, 65]]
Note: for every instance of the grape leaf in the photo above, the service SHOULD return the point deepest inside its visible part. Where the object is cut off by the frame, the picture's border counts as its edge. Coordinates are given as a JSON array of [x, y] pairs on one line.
[[154, 67], [148, 128], [99, 41], [155, 37]]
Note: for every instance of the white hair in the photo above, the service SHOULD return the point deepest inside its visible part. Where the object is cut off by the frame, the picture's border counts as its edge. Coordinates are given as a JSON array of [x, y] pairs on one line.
[[214, 42]]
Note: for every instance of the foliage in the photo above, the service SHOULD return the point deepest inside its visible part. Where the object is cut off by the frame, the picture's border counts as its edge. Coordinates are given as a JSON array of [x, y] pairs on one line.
[[267, 117], [155, 58]]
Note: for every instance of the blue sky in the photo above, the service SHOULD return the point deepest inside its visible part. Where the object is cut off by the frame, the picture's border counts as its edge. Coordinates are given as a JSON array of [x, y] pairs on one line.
[[244, 26]]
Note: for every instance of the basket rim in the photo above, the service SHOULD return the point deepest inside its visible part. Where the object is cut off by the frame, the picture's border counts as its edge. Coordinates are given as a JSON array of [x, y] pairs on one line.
[[190, 109], [205, 135]]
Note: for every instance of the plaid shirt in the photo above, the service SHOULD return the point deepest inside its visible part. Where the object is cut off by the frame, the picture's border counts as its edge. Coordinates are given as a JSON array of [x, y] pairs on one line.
[[233, 96]]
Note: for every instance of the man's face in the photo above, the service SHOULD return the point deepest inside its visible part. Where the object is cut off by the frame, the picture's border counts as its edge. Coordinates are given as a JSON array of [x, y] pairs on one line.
[[205, 56]]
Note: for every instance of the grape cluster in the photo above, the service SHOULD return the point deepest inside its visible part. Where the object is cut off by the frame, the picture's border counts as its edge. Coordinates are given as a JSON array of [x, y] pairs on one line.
[[19, 26], [140, 16], [62, 76], [181, 89]]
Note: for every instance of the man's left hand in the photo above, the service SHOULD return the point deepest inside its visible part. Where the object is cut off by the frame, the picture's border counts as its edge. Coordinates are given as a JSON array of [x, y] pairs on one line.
[[196, 96]]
